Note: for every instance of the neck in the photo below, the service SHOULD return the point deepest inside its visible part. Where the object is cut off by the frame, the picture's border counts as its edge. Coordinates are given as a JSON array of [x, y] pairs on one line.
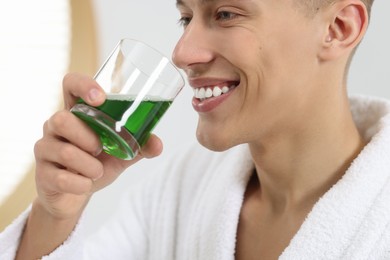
[[296, 167]]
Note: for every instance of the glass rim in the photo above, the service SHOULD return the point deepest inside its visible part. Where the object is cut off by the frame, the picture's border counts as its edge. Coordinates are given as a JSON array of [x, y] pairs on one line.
[[146, 45]]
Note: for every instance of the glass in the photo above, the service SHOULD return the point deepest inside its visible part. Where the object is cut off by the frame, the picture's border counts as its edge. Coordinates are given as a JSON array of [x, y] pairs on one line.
[[140, 84]]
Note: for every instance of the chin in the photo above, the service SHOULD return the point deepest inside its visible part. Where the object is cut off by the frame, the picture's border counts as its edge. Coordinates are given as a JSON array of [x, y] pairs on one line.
[[213, 143]]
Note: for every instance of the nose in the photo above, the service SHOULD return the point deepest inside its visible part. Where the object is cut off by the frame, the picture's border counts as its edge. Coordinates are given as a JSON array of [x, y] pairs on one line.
[[194, 47]]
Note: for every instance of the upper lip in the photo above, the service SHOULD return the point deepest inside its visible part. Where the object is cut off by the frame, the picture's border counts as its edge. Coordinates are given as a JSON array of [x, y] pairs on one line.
[[205, 82]]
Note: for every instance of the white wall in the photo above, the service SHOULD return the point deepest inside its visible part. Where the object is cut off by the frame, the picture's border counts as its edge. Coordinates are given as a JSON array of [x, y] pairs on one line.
[[155, 22], [370, 71]]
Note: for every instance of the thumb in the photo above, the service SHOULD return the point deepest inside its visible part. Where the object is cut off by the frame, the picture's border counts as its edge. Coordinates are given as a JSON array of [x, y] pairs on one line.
[[152, 148]]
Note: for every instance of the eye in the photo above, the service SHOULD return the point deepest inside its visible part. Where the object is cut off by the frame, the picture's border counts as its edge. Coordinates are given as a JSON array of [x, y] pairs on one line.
[[184, 21], [225, 15]]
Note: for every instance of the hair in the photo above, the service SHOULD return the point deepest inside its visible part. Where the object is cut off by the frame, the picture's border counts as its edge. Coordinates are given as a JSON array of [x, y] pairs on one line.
[[312, 6]]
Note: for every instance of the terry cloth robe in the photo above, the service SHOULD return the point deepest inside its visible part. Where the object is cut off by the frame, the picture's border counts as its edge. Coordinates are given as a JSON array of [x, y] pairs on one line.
[[190, 210]]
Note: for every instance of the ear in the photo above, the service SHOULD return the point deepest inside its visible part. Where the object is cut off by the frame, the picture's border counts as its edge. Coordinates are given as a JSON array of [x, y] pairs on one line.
[[346, 26]]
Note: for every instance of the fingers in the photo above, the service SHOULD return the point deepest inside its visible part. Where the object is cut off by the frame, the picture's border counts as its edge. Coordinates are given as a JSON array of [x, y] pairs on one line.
[[65, 155], [64, 167], [57, 180], [66, 126], [152, 148], [77, 86], [68, 157]]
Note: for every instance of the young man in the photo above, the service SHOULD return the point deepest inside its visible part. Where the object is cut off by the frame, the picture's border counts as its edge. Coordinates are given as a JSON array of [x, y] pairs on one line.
[[302, 172]]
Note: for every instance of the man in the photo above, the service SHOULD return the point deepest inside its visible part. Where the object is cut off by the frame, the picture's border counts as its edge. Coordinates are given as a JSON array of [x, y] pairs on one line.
[[293, 180]]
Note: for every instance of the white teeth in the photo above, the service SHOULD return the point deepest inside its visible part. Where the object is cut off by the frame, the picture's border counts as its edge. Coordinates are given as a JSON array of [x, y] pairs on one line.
[[217, 91], [201, 93], [209, 93], [225, 89], [204, 93]]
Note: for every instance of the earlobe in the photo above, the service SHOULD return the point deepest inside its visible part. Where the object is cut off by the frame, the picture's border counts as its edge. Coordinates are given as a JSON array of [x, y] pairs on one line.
[[345, 29]]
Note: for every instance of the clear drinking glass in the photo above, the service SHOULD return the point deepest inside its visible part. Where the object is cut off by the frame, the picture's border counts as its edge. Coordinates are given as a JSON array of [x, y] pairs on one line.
[[140, 84]]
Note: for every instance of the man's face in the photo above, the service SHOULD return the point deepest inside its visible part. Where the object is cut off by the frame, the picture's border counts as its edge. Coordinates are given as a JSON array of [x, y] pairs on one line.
[[256, 58]]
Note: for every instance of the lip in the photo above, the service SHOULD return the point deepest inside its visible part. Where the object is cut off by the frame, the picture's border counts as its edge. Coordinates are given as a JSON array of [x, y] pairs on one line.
[[207, 105], [203, 82]]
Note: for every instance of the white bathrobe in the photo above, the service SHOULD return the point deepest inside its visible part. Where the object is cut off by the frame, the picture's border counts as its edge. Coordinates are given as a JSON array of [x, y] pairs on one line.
[[190, 210]]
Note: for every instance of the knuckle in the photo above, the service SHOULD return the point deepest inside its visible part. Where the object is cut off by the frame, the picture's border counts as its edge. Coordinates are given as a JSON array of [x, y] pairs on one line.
[[59, 119], [62, 182], [38, 148], [69, 77], [84, 81], [76, 81], [45, 127]]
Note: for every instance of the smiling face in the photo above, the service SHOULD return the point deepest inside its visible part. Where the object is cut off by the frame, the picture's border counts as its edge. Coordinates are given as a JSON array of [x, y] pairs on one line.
[[253, 65]]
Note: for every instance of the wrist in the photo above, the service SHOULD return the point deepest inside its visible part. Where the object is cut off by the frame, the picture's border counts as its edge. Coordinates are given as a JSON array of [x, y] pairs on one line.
[[44, 232]]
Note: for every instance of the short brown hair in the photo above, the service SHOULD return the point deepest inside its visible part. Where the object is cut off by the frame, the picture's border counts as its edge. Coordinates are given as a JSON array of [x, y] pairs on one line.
[[312, 6]]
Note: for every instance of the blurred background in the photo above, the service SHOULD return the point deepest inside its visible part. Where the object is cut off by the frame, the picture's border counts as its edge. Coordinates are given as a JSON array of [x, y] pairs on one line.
[[42, 40]]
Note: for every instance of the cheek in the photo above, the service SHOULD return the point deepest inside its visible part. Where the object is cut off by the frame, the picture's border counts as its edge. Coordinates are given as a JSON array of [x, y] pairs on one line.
[[289, 56], [266, 98]]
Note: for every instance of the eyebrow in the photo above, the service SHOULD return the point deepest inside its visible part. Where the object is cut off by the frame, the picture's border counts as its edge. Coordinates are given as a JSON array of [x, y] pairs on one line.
[[204, 2], [181, 2]]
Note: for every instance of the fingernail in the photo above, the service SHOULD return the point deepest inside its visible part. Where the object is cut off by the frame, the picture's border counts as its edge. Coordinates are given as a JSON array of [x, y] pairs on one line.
[[97, 178], [98, 151], [94, 94]]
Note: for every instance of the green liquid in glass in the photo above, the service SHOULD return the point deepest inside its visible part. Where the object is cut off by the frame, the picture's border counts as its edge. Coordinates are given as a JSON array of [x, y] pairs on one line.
[[139, 124]]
